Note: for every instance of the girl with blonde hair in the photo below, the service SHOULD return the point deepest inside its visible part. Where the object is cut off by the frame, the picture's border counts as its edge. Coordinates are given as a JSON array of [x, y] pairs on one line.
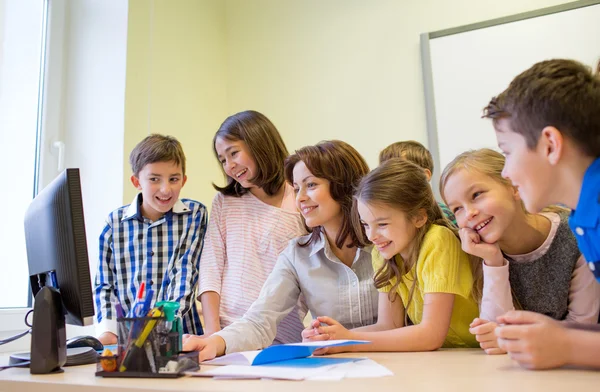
[[529, 260]]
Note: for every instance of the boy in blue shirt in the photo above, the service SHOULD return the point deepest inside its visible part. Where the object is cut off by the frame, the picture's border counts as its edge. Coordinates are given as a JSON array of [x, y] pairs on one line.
[[157, 239], [547, 124]]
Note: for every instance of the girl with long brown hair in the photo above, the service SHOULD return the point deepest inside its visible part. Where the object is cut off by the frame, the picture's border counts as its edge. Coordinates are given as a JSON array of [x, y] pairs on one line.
[[252, 219], [420, 269]]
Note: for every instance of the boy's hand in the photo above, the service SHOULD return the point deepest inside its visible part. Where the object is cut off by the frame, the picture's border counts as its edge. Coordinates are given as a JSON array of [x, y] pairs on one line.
[[311, 334], [208, 348], [472, 244], [533, 340], [108, 338], [484, 333]]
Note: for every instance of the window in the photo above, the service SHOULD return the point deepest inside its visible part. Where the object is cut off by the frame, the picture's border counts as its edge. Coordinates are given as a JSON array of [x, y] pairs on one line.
[[22, 64]]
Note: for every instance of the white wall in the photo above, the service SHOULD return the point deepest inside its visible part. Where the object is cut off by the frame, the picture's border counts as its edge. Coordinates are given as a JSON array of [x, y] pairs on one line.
[[85, 109], [347, 69], [94, 107]]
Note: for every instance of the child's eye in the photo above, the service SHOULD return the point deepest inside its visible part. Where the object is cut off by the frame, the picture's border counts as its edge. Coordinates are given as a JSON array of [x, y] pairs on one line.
[[296, 190], [234, 153], [153, 179], [222, 161], [311, 185], [456, 209], [174, 179], [382, 224], [364, 225], [476, 194]]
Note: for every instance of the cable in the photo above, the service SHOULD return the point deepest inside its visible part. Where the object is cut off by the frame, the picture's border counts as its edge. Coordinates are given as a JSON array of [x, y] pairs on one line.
[[20, 335], [13, 338]]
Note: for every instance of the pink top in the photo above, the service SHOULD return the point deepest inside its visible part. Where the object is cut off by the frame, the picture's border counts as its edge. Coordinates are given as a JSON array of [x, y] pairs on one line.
[[584, 293], [242, 244]]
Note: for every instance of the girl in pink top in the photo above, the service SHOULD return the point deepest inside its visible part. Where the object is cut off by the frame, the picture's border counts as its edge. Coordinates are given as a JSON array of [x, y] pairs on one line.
[[530, 261], [252, 220]]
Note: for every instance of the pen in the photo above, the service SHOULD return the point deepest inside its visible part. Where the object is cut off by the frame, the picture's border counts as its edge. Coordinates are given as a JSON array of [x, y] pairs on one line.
[[138, 301]]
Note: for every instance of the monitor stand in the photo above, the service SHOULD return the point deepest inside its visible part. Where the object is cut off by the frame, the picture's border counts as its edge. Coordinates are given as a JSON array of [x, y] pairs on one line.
[[48, 335]]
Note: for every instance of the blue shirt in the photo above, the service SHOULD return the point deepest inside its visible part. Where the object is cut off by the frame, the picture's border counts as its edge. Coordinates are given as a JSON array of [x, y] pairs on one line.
[[585, 219], [164, 254]]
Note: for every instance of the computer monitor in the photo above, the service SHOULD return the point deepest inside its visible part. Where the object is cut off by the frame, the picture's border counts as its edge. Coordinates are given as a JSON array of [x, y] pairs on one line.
[[59, 269]]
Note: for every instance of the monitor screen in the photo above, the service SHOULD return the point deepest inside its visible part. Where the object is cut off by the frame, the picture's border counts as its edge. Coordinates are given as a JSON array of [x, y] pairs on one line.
[[55, 238]]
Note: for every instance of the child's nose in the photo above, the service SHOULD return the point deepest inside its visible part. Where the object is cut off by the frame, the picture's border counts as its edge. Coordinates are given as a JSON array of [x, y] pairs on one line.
[[471, 212]]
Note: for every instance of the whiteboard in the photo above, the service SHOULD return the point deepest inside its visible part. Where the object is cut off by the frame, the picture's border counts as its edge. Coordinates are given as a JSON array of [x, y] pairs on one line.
[[465, 67]]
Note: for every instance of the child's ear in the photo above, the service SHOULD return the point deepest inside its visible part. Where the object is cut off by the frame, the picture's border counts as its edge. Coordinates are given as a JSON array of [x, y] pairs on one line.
[[184, 181], [427, 174], [552, 143], [136, 182], [420, 218], [516, 194]]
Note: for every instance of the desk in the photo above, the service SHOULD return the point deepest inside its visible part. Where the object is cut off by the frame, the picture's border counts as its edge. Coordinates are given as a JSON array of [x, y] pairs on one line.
[[444, 370]]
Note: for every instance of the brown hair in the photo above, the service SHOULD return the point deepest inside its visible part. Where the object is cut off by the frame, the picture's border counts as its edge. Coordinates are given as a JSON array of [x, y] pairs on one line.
[[266, 148], [403, 185], [410, 150], [341, 165], [156, 148], [559, 93]]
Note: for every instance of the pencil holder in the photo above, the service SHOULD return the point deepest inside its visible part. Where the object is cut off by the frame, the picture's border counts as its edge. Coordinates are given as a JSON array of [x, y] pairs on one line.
[[146, 347]]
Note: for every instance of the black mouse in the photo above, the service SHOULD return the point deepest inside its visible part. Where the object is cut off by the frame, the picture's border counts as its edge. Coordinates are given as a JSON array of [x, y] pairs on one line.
[[85, 341]]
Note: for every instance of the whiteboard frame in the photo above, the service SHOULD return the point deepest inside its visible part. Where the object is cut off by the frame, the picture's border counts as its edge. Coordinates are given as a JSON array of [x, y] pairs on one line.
[[432, 134]]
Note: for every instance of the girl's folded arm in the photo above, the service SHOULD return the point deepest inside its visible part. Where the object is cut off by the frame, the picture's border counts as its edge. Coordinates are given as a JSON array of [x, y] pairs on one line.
[[429, 335]]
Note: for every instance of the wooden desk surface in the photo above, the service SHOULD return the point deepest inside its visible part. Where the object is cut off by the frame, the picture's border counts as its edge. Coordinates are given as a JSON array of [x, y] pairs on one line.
[[444, 370]]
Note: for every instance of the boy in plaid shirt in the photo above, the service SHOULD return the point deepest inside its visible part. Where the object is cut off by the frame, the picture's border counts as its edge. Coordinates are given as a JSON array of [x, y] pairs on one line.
[[157, 239]]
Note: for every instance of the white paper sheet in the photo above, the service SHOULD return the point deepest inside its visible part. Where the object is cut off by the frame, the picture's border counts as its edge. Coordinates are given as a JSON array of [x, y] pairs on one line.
[[336, 369]]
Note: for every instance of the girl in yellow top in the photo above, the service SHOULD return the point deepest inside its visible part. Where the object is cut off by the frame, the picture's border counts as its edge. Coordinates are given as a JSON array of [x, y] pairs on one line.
[[420, 269]]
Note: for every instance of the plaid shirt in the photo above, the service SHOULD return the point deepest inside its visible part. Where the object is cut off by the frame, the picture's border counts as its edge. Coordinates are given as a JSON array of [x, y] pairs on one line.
[[165, 254]]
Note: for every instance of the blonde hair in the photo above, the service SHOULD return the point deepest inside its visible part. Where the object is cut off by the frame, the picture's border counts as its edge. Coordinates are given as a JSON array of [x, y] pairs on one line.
[[402, 185], [490, 163], [487, 162]]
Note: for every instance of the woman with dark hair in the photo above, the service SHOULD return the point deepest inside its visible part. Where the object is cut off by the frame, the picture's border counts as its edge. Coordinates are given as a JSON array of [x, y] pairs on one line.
[[331, 267]]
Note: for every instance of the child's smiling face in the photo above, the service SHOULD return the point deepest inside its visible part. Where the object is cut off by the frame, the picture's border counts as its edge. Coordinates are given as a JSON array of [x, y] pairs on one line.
[[160, 184], [481, 203], [237, 161], [390, 230]]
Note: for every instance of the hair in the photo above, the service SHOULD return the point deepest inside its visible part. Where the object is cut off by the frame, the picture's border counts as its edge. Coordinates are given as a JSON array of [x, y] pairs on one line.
[[487, 162], [410, 150], [156, 148], [559, 93], [490, 163], [484, 161], [402, 185], [341, 165], [266, 149]]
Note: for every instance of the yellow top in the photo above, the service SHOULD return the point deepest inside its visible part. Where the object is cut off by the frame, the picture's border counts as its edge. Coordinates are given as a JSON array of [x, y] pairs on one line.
[[442, 267]]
